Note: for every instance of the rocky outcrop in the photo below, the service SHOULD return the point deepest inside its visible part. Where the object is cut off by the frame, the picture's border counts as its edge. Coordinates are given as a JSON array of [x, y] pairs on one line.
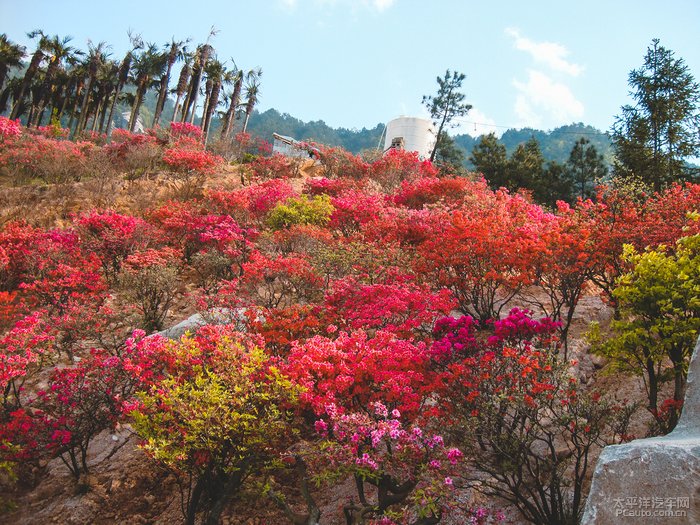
[[218, 316], [654, 480]]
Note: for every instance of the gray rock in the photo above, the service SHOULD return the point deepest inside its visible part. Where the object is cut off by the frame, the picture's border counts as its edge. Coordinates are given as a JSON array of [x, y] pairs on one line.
[[654, 480], [217, 316]]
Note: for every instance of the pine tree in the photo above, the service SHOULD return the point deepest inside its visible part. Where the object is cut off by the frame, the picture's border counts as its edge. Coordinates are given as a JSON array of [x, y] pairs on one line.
[[655, 136], [446, 105], [585, 167], [489, 158]]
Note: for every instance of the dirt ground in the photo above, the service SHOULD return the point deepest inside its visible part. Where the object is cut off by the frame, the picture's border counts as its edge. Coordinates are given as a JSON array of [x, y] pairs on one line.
[[124, 487]]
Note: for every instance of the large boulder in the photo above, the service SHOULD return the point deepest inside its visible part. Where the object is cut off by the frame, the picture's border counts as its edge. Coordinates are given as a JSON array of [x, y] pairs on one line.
[[654, 480], [216, 316]]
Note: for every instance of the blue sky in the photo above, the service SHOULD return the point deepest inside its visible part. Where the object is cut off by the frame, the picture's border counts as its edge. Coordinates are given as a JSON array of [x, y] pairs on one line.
[[356, 63]]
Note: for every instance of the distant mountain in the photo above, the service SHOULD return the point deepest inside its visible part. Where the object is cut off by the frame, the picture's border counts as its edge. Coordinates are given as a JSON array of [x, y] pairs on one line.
[[555, 145]]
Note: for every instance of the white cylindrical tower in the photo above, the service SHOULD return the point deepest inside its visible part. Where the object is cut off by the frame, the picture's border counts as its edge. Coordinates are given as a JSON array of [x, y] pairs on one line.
[[411, 134]]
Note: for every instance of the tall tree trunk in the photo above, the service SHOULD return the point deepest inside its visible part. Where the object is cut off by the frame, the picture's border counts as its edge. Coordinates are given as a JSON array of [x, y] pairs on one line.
[[95, 120], [205, 107], [181, 88], [37, 57], [82, 121], [136, 108], [111, 110], [74, 108], [164, 83], [210, 109], [231, 113], [197, 73]]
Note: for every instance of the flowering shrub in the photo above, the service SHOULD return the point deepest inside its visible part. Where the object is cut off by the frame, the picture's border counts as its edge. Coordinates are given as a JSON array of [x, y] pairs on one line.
[[417, 193], [53, 131], [479, 254], [409, 468], [397, 166], [280, 282], [95, 137], [9, 129], [26, 348], [354, 208], [184, 158], [352, 371], [136, 153], [400, 306], [517, 401], [330, 187], [337, 162], [274, 166], [80, 402], [185, 129], [113, 237], [254, 201], [51, 161], [149, 281], [218, 414]]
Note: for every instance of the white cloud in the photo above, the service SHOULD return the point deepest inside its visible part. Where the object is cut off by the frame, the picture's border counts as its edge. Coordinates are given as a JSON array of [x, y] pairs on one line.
[[382, 5], [549, 53], [542, 100], [289, 4]]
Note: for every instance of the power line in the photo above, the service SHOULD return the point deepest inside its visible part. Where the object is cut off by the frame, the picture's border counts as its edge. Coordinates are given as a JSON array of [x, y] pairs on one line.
[[557, 131]]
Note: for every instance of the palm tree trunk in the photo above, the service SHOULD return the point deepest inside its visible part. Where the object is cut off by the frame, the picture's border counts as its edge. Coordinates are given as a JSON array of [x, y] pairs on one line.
[[74, 109], [37, 57], [111, 110], [162, 95], [231, 113], [82, 121], [97, 114], [210, 108], [136, 108], [205, 107], [181, 88]]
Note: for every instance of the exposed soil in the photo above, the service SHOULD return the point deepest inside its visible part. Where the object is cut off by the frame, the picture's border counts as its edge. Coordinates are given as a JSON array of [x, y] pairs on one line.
[[124, 487]]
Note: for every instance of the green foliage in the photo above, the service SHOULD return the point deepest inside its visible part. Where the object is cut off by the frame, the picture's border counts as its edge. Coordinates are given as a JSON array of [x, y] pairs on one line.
[[489, 158], [659, 302], [585, 168], [219, 415], [446, 105], [654, 137], [301, 211], [449, 157]]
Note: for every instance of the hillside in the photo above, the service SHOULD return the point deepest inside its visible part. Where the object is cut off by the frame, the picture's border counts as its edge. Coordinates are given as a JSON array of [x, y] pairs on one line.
[[555, 144]]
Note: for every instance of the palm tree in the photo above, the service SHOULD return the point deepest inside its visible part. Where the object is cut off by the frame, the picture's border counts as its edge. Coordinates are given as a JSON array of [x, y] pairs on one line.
[[107, 81], [11, 90], [123, 76], [20, 104], [95, 59], [252, 90], [77, 79], [200, 63], [182, 83], [11, 55], [147, 65], [234, 100], [176, 52], [58, 52], [217, 75]]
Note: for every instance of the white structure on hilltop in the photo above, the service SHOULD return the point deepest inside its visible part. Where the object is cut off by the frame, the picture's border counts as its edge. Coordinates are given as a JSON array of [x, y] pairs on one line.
[[290, 147], [411, 134]]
